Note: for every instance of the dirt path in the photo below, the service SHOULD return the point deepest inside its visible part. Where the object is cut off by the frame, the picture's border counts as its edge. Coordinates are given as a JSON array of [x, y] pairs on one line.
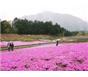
[[27, 46]]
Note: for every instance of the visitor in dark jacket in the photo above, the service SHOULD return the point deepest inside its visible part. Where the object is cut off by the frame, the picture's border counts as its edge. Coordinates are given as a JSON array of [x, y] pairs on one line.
[[10, 46]]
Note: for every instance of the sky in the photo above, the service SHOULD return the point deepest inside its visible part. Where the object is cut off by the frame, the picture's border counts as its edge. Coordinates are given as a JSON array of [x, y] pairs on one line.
[[9, 9]]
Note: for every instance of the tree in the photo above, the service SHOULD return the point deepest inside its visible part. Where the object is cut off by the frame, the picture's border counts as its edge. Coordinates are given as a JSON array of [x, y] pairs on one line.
[[6, 27], [23, 26]]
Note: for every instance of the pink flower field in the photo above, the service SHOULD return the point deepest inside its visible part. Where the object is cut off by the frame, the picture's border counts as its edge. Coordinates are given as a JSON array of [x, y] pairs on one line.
[[64, 57]]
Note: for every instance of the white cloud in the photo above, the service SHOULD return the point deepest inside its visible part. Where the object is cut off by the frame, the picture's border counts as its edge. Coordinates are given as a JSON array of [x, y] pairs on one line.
[[17, 8]]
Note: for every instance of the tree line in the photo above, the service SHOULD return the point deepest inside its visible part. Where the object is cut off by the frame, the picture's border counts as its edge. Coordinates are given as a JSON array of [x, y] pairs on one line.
[[23, 26]]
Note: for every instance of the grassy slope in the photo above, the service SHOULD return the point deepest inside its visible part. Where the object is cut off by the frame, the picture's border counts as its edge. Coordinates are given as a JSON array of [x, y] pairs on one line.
[[15, 37]]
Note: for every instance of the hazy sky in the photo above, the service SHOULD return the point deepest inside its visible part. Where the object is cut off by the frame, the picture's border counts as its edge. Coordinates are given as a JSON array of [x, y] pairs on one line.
[[18, 8]]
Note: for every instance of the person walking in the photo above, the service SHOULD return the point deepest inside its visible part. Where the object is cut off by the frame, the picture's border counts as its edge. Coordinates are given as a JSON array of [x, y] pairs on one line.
[[57, 43], [10, 46]]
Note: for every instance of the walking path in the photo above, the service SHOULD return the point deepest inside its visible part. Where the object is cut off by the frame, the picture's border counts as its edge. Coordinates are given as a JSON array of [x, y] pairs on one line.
[[27, 46]]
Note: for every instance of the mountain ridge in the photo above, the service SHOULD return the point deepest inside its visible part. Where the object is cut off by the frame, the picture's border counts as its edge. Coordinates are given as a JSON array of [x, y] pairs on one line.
[[71, 23]]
